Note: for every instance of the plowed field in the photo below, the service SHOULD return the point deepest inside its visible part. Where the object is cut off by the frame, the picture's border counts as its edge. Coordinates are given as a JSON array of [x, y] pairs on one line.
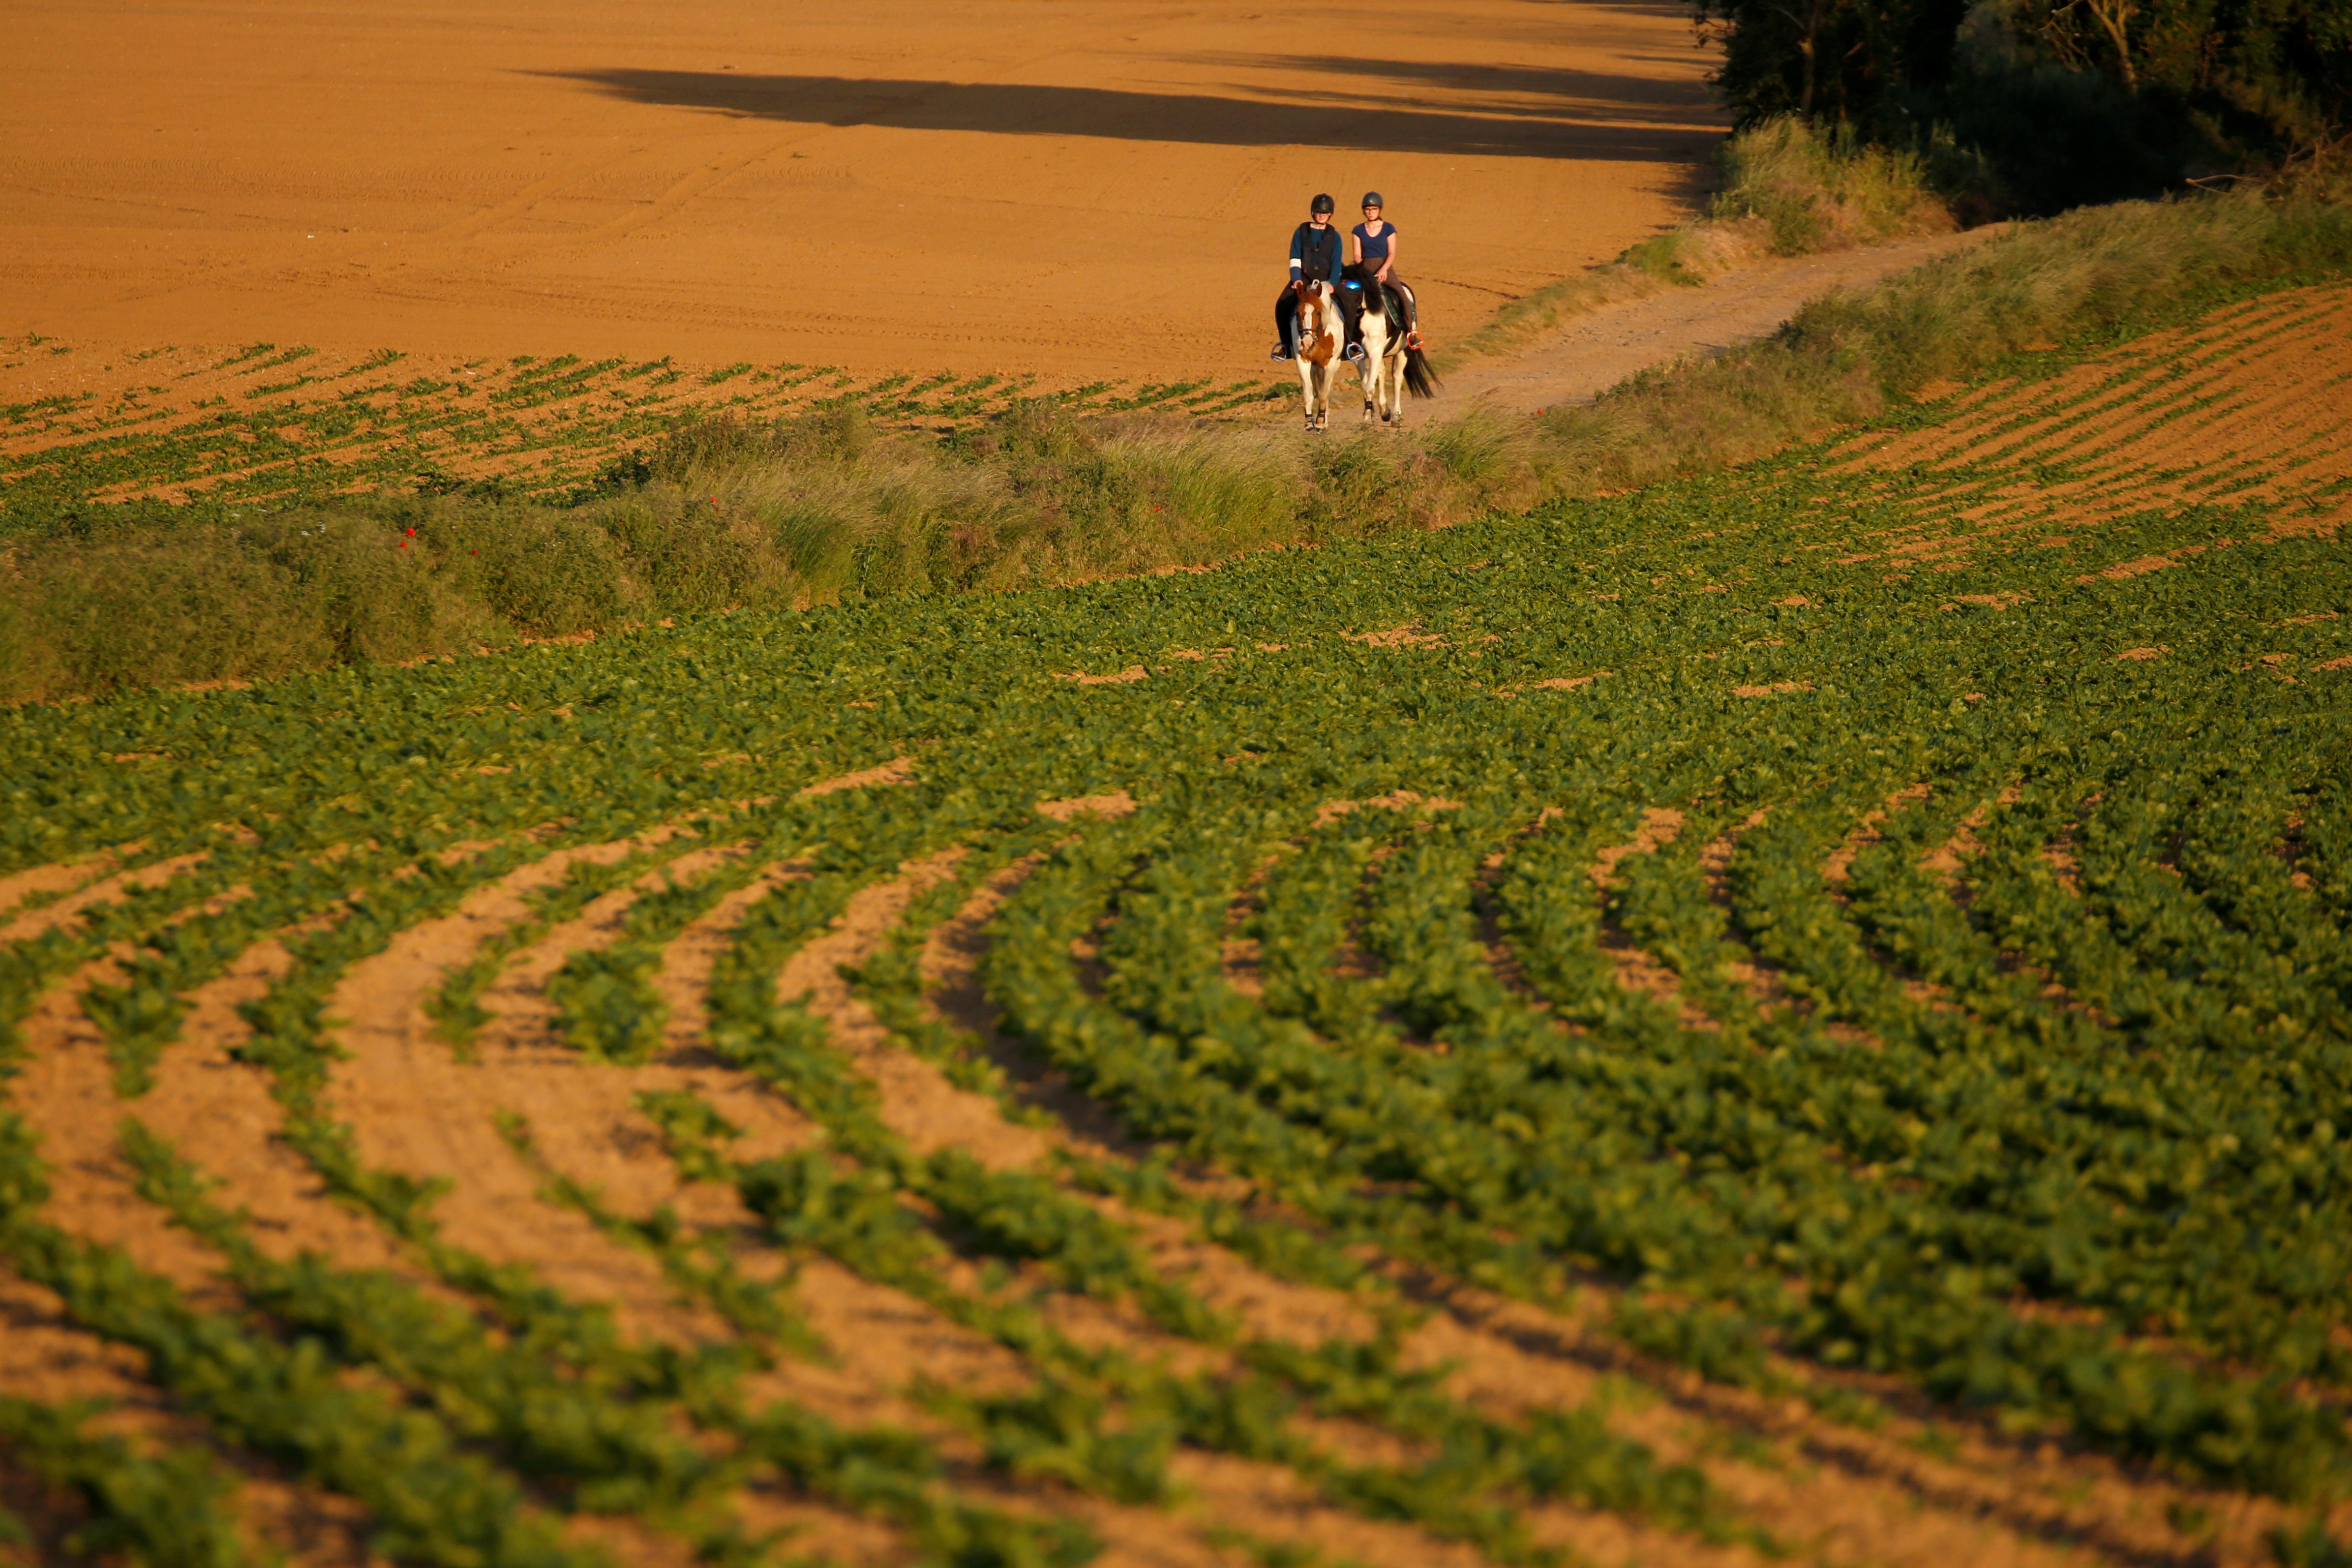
[[1806, 1014], [1079, 190]]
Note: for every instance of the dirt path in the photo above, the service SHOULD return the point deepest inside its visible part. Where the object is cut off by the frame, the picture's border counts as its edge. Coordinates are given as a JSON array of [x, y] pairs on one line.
[[1599, 350]]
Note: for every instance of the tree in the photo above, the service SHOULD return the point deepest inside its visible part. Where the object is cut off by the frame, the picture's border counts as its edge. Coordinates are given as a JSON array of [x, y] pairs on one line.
[[2288, 62], [1830, 59]]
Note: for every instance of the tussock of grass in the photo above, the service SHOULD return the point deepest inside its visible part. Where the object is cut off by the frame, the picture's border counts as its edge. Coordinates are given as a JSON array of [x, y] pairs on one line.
[[825, 507], [1818, 189]]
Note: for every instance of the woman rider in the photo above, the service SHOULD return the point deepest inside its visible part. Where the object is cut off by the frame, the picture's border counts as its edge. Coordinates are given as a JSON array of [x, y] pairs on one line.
[[1374, 243], [1314, 258]]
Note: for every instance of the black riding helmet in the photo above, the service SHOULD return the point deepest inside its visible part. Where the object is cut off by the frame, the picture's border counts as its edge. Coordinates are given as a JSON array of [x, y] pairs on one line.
[[1322, 204], [1373, 199]]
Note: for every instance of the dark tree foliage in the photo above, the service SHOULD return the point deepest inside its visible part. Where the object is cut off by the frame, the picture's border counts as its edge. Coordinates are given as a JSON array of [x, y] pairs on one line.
[[2289, 61], [2064, 100], [1829, 59]]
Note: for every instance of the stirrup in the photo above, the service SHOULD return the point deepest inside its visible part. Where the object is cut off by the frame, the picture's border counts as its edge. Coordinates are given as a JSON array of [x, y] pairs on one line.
[[1355, 353], [1279, 352], [1412, 339]]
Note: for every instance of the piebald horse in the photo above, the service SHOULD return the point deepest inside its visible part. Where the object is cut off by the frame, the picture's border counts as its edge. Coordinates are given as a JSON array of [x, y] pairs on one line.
[[1321, 333], [1391, 368]]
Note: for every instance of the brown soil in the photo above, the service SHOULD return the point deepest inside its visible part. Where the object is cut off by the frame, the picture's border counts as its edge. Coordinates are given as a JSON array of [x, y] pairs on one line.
[[887, 189], [897, 771], [1117, 804], [85, 892], [54, 880]]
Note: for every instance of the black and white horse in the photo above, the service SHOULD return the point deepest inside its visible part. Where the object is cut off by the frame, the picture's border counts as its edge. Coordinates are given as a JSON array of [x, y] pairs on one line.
[[1391, 368]]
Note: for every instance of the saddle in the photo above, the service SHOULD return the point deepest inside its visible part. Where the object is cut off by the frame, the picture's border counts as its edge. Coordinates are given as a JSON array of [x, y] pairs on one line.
[[1353, 283]]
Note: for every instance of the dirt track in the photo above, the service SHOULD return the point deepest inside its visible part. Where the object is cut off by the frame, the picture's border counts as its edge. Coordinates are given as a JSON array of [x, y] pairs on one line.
[[1595, 353], [886, 188]]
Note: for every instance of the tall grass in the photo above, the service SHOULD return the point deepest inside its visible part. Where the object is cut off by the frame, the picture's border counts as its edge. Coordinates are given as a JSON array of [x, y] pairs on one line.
[[1824, 189], [826, 507]]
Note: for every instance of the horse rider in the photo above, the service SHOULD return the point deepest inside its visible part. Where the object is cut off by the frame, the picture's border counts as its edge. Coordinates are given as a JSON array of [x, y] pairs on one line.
[[1314, 258], [1374, 243]]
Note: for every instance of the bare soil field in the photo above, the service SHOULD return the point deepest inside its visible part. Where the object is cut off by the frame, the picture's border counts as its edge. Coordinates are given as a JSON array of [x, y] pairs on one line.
[[2248, 404], [1078, 191]]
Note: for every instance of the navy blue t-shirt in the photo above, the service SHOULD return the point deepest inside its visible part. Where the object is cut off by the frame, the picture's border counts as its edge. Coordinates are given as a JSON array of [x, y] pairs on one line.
[[1375, 247]]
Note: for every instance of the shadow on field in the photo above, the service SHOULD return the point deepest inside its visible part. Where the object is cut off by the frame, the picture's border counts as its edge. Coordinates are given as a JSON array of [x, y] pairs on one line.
[[1043, 111], [1562, 94]]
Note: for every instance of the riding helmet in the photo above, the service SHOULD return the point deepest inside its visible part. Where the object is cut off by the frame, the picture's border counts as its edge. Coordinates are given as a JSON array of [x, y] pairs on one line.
[[1322, 204], [1373, 199]]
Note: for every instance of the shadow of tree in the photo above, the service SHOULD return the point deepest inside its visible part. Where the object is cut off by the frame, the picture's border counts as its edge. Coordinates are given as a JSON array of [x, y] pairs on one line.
[[1029, 110]]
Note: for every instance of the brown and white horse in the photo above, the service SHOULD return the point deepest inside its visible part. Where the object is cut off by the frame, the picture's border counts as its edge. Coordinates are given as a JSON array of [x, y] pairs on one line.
[[1391, 368], [1322, 331]]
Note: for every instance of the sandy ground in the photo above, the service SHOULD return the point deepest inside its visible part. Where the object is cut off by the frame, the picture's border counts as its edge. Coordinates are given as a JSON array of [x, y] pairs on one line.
[[886, 187]]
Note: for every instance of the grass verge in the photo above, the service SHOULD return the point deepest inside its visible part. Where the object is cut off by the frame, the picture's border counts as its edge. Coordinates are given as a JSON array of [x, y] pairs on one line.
[[826, 507]]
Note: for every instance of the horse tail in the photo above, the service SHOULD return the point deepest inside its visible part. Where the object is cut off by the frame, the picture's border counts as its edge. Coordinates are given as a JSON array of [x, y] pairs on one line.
[[1419, 379]]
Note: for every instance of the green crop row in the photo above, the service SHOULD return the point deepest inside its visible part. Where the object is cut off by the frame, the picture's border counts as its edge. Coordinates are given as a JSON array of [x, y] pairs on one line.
[[1097, 1418], [167, 1508]]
